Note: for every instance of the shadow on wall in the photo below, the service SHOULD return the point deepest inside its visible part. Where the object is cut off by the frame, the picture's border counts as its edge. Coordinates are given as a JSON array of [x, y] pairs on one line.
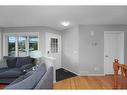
[[70, 63]]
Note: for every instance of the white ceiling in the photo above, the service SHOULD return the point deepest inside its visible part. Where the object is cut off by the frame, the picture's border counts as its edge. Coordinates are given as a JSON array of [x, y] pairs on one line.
[[51, 16]]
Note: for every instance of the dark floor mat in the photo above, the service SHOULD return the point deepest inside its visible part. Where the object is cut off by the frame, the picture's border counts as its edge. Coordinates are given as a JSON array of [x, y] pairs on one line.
[[62, 74]]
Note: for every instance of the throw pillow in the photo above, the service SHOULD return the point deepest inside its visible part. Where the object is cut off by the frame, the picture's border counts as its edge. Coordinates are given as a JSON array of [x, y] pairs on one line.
[[3, 63], [22, 61], [11, 61]]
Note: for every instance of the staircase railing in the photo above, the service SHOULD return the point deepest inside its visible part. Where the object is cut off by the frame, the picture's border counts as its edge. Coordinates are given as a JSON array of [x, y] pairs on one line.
[[123, 72]]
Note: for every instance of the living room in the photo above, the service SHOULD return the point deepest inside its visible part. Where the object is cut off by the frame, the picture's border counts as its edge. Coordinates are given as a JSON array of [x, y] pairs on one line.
[[76, 44]]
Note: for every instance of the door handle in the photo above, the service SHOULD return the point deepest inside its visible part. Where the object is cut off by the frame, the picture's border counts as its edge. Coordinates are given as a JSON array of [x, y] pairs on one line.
[[47, 52], [106, 56]]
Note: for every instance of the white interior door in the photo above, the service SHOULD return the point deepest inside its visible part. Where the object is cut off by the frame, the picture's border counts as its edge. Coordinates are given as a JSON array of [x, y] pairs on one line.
[[53, 48], [113, 48]]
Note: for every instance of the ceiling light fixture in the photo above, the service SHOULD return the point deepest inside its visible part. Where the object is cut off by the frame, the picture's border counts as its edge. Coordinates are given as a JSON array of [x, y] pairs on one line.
[[65, 23]]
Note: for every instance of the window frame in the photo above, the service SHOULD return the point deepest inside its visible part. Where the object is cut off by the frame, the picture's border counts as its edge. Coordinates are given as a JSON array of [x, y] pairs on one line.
[[17, 34]]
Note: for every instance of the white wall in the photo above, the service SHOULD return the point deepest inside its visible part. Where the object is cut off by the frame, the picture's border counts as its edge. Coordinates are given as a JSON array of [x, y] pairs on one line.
[[41, 30], [91, 58], [78, 55], [70, 50]]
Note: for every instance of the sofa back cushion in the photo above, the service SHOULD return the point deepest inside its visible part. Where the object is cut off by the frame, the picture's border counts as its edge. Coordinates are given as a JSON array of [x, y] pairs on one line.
[[11, 61], [31, 81], [23, 61]]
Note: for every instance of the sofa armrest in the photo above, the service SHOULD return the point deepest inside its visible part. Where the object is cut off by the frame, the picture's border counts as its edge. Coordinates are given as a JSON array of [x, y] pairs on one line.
[[46, 81]]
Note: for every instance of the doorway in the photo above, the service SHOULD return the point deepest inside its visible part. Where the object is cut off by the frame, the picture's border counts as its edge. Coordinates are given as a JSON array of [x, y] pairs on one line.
[[53, 48], [113, 48]]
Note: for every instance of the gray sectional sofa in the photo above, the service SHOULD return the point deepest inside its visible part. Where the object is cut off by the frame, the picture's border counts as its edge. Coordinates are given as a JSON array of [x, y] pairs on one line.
[[16, 66], [40, 78], [19, 74]]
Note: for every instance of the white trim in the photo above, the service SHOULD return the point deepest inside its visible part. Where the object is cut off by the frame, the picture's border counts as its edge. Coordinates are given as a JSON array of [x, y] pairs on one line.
[[16, 46], [54, 81], [0, 45], [21, 33], [81, 73], [113, 32], [27, 46], [5, 50], [122, 53], [93, 75], [96, 74], [86, 73]]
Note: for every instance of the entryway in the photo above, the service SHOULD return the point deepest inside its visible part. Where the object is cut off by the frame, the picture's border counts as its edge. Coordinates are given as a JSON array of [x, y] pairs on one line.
[[113, 48], [53, 51], [62, 74], [53, 48]]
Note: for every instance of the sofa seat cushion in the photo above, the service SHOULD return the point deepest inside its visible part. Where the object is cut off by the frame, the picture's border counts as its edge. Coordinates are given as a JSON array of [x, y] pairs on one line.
[[31, 81], [10, 73]]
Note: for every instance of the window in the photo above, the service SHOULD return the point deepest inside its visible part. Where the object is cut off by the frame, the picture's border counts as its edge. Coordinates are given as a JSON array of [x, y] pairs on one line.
[[54, 45], [11, 45], [22, 45], [33, 43], [19, 45]]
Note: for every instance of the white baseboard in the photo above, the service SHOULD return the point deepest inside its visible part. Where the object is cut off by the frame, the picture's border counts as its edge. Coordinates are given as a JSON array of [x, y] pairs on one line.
[[86, 73], [71, 71], [54, 81], [83, 73], [92, 75], [96, 74]]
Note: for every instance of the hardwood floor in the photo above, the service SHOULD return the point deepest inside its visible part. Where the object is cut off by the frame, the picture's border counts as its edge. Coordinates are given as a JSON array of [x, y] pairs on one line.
[[2, 86], [88, 82]]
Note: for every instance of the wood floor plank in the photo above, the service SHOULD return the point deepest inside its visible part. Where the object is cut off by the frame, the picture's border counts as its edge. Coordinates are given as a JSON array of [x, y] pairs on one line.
[[88, 82], [2, 86]]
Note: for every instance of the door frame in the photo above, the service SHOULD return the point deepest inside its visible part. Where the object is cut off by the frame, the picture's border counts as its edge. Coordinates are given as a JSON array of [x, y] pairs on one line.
[[0, 45], [122, 45]]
